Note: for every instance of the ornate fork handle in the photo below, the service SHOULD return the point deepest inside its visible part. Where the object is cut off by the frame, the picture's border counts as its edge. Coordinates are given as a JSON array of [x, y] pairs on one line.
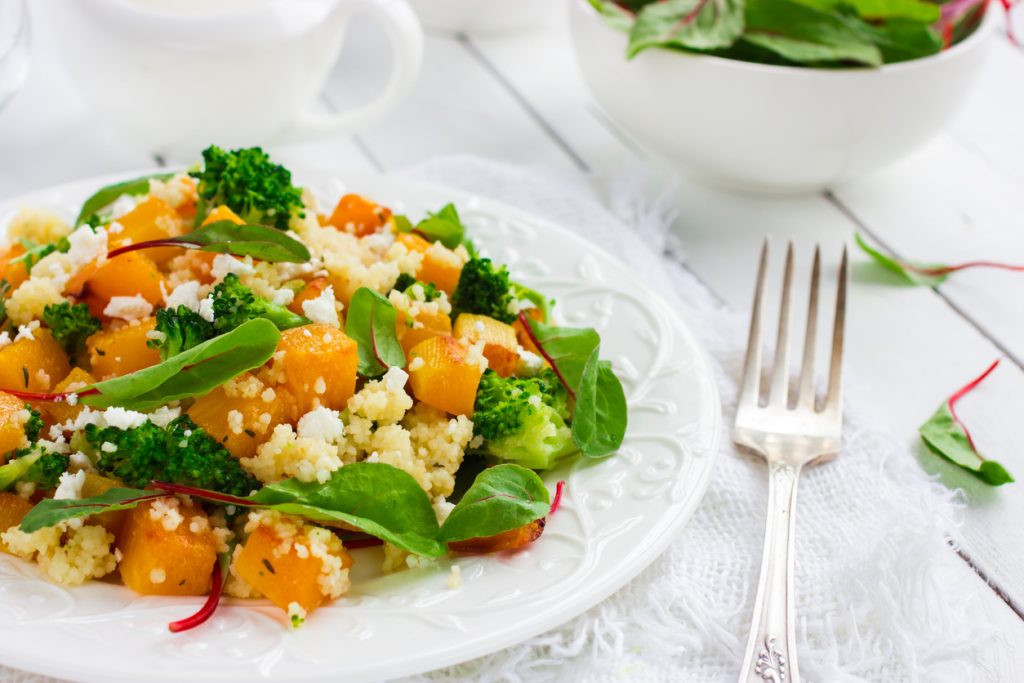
[[771, 650]]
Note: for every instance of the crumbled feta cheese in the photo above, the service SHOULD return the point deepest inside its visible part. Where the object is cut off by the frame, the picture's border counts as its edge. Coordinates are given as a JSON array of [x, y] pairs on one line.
[[128, 308], [5, 338], [416, 363], [157, 575], [206, 309], [186, 294], [27, 331], [87, 246], [320, 386], [322, 309], [70, 487], [123, 205], [323, 424], [224, 264], [455, 578], [529, 363], [283, 296], [395, 378], [122, 418]]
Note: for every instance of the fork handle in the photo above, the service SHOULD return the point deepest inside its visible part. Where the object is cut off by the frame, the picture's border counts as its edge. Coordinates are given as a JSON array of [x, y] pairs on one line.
[[771, 650]]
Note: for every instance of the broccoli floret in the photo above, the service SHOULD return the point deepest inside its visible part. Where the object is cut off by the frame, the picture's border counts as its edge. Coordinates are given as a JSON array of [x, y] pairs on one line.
[[523, 419], [70, 324], [485, 290], [405, 282], [182, 328], [247, 182], [34, 424], [234, 304], [35, 465], [180, 454]]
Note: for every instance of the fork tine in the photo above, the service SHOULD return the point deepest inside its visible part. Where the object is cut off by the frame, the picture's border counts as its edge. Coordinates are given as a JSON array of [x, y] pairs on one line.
[[750, 386], [835, 389], [806, 397], [779, 394]]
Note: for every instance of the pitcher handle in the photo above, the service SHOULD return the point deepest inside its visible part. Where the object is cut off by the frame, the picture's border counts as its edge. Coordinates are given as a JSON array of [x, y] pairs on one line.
[[406, 37]]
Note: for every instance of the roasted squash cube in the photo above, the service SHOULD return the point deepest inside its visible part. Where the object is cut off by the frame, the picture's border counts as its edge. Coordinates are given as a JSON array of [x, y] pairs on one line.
[[285, 570], [14, 273], [359, 216], [58, 412], [12, 424], [443, 376], [129, 274], [441, 266], [243, 423], [152, 219], [501, 348], [13, 509], [33, 364], [158, 560], [311, 291], [320, 364], [113, 353], [425, 326], [95, 485]]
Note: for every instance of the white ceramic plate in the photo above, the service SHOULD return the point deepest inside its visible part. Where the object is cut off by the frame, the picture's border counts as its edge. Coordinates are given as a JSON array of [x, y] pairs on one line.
[[617, 515]]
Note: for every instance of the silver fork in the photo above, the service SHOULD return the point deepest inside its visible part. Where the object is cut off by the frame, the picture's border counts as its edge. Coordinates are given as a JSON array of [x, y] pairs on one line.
[[790, 435]]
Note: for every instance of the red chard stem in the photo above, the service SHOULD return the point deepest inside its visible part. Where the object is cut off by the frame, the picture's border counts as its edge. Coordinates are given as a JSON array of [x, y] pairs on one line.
[[201, 493], [525, 321], [151, 244], [558, 497], [208, 608], [60, 397], [952, 401]]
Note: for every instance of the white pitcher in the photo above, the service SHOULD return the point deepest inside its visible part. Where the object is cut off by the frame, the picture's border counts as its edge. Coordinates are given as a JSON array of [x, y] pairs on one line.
[[176, 75]]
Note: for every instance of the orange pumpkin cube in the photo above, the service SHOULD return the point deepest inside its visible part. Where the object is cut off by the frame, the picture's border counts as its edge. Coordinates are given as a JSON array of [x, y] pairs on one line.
[[152, 219], [126, 275], [117, 352], [441, 266], [58, 412], [242, 434], [311, 291], [13, 509], [425, 326], [501, 348], [14, 273], [284, 570], [12, 427], [506, 540], [95, 485], [33, 364], [161, 561], [359, 216], [442, 376], [522, 336], [222, 213], [320, 363]]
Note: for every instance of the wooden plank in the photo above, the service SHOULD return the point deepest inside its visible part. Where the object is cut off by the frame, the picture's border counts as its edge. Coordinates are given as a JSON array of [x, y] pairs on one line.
[[457, 107]]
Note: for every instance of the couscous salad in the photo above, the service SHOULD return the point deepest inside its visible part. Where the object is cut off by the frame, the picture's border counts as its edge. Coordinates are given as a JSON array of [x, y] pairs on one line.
[[210, 387]]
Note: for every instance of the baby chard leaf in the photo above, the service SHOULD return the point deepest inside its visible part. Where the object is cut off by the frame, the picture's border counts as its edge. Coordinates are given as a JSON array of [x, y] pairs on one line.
[[443, 226], [910, 273], [690, 24], [227, 237], [600, 415], [371, 322], [106, 195], [946, 436], [502, 498], [51, 511], [378, 499], [193, 372]]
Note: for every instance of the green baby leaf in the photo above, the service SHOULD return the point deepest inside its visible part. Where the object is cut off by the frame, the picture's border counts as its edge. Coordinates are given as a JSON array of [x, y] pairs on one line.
[[378, 499], [502, 498], [689, 24], [443, 226], [807, 35], [193, 372], [600, 415], [50, 511], [945, 437], [911, 273], [371, 322], [106, 195]]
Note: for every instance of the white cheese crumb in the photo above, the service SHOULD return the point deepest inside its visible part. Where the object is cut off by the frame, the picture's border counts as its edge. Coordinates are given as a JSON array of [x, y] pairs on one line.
[[322, 309], [108, 447], [122, 418], [87, 246], [27, 331], [206, 309], [395, 378], [416, 363], [122, 205], [70, 487], [320, 386], [283, 296], [128, 308], [323, 424], [157, 575], [5, 338], [455, 578], [225, 264], [186, 294]]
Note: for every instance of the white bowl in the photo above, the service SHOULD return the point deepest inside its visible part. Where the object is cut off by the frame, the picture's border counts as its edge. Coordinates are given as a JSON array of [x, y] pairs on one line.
[[767, 128], [484, 16]]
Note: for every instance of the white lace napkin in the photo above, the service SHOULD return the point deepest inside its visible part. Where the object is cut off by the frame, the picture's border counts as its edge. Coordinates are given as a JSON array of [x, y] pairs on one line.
[[872, 595]]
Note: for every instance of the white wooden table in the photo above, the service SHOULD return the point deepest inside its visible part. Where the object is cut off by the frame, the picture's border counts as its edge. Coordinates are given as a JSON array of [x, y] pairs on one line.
[[519, 99]]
